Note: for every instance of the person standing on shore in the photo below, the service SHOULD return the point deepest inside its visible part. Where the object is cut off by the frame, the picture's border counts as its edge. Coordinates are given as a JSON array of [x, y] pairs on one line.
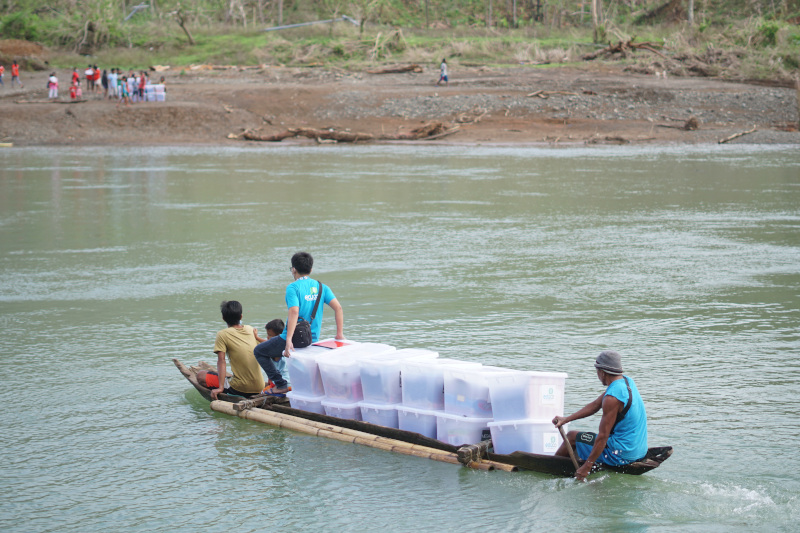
[[112, 83], [443, 73], [2, 70], [15, 75], [89, 74], [52, 85], [104, 83]]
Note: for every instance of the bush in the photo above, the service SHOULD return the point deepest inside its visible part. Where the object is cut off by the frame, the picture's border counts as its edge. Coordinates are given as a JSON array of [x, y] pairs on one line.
[[21, 25], [767, 33]]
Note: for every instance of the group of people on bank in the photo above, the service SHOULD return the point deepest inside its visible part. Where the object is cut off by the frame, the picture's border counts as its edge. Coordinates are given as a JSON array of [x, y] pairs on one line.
[[622, 433], [111, 84]]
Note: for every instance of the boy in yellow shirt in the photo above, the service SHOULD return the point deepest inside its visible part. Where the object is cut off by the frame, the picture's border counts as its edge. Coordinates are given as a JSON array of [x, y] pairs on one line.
[[237, 341]]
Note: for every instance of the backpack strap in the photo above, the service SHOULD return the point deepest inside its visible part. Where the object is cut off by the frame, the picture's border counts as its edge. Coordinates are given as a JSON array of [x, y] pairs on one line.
[[316, 304], [627, 407]]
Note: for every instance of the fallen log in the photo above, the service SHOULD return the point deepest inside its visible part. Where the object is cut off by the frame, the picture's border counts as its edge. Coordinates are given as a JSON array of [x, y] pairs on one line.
[[278, 137], [737, 135], [622, 48], [426, 132], [336, 135], [544, 94], [690, 125], [50, 101], [397, 69]]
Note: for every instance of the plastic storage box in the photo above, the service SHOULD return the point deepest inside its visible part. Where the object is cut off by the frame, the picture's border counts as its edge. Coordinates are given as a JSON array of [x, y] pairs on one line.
[[466, 391], [380, 375], [380, 414], [304, 370], [423, 381], [457, 430], [350, 411], [312, 404], [518, 395], [341, 372], [533, 436], [420, 421]]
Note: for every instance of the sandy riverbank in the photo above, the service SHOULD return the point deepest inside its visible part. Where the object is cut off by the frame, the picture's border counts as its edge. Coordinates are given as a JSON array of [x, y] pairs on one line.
[[595, 104]]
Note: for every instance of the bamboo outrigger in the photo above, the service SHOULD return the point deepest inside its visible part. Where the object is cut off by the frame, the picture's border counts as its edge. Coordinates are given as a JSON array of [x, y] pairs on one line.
[[276, 411]]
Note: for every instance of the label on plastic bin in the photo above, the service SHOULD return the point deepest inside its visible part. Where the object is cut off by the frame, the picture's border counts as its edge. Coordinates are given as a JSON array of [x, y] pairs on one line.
[[550, 442], [549, 396]]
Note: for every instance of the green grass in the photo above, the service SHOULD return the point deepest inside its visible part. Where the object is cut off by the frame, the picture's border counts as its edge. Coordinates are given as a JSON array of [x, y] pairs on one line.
[[773, 51]]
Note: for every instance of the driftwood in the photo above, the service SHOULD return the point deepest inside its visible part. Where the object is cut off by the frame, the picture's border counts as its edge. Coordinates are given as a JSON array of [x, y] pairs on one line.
[[429, 131], [737, 135], [623, 47], [311, 133], [609, 139], [50, 101], [544, 94], [426, 132], [396, 70], [690, 125]]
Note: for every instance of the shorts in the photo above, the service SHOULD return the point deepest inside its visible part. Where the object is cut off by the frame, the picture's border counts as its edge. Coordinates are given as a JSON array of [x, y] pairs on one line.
[[443, 78], [584, 441]]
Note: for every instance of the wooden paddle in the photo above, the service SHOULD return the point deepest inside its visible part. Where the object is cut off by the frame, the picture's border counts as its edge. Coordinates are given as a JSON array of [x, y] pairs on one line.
[[569, 447]]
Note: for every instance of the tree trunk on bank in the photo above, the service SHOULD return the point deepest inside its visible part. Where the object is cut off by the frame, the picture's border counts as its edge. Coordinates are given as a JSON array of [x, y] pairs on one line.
[[595, 20], [280, 12], [690, 14]]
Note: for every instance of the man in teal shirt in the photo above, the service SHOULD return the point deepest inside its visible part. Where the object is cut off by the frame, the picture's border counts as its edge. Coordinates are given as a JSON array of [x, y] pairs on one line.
[[301, 295], [622, 436]]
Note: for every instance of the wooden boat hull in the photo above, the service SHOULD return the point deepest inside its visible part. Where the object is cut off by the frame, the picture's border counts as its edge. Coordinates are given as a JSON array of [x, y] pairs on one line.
[[546, 464]]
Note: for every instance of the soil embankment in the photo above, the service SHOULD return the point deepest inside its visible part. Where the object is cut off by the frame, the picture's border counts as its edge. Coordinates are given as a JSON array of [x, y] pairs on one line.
[[523, 105]]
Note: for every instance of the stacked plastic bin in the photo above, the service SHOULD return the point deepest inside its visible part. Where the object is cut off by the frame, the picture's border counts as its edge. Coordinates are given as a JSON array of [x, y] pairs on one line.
[[341, 378], [423, 393], [382, 386], [524, 404], [467, 405], [307, 388]]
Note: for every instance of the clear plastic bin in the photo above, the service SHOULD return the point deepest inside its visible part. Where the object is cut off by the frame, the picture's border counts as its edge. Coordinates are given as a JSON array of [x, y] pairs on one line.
[[423, 381], [519, 395], [341, 378], [380, 414], [312, 404], [341, 372], [380, 375], [350, 411], [458, 430], [466, 391], [304, 370], [420, 421], [532, 436]]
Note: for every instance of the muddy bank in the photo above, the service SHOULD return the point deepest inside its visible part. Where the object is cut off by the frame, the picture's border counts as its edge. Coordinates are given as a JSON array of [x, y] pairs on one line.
[[596, 104]]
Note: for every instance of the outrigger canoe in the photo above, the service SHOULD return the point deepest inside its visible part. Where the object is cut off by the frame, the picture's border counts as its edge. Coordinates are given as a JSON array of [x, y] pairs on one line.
[[277, 408]]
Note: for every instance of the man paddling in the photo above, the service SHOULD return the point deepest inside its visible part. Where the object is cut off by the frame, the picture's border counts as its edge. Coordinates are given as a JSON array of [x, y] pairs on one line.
[[622, 436]]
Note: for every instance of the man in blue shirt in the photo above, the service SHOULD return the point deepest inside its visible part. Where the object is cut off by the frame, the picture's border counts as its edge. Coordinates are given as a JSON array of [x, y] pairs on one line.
[[301, 295], [622, 436]]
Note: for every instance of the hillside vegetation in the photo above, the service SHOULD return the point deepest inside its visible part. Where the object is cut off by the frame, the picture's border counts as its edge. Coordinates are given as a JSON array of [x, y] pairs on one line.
[[742, 39]]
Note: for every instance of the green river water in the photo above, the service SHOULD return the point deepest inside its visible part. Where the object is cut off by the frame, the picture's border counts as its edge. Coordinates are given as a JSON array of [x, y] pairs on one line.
[[684, 259]]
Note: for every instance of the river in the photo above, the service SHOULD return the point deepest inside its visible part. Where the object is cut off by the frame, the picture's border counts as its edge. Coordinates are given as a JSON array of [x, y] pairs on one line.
[[686, 260]]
